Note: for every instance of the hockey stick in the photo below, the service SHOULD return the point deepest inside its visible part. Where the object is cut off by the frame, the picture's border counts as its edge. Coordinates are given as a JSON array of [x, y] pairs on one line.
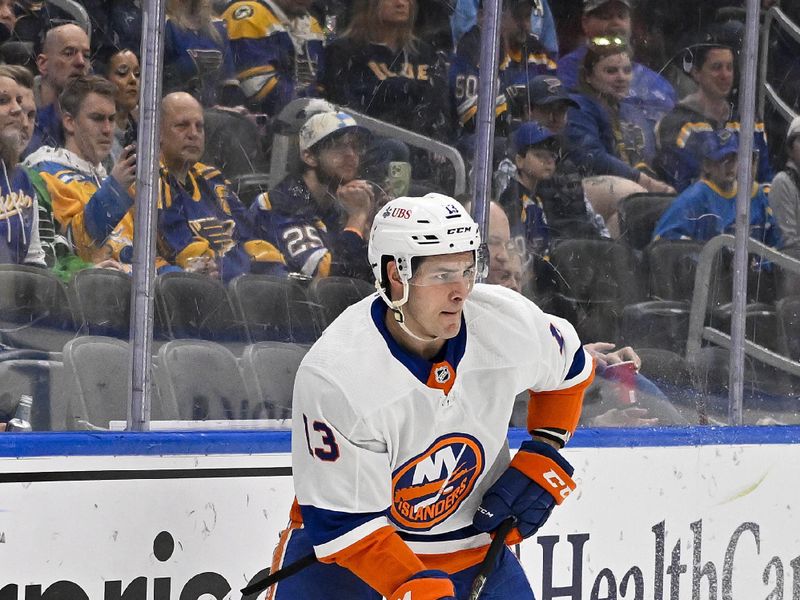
[[487, 566], [280, 574]]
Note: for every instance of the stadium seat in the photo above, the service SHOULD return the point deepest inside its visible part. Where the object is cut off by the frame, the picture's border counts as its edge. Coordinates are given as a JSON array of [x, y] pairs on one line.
[[43, 380], [638, 215], [761, 323], [103, 302], [662, 324], [274, 309], [98, 371], [269, 369], [34, 309], [671, 266], [331, 295], [197, 307], [598, 277], [250, 185], [788, 316], [202, 379]]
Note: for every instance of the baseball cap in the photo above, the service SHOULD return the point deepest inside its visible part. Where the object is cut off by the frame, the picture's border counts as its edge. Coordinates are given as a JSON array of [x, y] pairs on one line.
[[533, 134], [590, 5], [324, 124], [715, 145], [794, 129], [546, 89]]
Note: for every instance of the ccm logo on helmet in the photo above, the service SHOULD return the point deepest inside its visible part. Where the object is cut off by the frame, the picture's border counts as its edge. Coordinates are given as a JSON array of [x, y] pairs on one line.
[[397, 213], [459, 230]]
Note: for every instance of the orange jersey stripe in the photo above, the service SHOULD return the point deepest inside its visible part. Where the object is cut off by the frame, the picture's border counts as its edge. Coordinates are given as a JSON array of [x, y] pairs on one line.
[[382, 559], [559, 409]]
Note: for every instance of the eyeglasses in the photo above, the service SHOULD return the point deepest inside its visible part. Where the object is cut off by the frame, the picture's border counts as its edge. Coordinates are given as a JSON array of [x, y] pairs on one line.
[[606, 40]]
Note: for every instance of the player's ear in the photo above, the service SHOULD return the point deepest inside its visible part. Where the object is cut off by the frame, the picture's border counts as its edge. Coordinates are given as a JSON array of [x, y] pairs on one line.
[[393, 273]]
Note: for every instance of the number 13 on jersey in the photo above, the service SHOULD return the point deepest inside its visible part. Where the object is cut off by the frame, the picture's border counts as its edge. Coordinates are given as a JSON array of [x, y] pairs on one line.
[[321, 441]]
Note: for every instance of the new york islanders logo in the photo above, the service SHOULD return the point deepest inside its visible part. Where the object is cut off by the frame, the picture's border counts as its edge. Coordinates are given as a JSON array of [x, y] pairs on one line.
[[431, 486]]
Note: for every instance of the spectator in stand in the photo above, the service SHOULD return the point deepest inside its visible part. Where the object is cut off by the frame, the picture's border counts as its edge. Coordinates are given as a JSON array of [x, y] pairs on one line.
[[784, 197], [320, 217], [607, 135], [707, 208], [64, 57], [202, 224], [542, 26], [197, 54], [570, 214], [649, 92], [122, 69], [8, 19], [506, 264], [522, 59], [48, 238], [380, 68], [91, 208], [19, 218], [711, 66], [125, 22], [277, 51]]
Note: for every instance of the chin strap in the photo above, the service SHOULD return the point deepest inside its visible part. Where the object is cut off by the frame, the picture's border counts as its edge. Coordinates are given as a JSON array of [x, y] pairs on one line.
[[396, 307]]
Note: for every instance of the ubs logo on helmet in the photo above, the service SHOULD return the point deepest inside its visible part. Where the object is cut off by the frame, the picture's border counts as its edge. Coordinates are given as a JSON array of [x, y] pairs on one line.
[[431, 486], [397, 213]]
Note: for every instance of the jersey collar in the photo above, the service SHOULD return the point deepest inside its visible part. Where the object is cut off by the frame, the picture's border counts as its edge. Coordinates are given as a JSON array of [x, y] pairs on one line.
[[439, 373]]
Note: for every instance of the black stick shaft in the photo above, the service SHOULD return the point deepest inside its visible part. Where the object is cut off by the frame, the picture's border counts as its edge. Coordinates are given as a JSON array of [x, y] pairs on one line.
[[487, 566], [280, 575]]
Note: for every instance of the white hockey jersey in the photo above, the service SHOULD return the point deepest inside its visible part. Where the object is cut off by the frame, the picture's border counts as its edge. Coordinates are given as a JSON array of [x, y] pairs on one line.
[[384, 437]]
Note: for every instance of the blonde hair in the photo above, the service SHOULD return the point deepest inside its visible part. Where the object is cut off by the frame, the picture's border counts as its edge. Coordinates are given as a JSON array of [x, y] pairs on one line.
[[185, 13], [367, 16]]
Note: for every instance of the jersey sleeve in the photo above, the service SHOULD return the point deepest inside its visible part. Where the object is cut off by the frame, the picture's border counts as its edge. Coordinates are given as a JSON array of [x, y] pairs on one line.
[[264, 55], [87, 212], [342, 478], [558, 371]]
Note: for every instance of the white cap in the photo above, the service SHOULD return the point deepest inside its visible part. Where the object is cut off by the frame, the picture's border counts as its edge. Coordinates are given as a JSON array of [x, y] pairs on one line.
[[794, 128], [321, 125]]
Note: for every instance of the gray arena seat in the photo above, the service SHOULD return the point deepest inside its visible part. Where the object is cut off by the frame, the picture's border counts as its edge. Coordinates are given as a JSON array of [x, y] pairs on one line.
[[269, 370]]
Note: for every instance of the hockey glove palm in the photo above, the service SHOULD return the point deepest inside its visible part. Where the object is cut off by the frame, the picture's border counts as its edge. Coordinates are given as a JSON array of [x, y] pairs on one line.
[[537, 479], [426, 585]]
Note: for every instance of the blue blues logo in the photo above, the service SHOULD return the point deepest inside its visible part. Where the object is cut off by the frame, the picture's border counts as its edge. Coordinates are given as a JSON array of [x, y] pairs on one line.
[[431, 486]]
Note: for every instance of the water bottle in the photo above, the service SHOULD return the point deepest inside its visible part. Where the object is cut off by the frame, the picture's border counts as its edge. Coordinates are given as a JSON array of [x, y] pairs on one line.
[[22, 417]]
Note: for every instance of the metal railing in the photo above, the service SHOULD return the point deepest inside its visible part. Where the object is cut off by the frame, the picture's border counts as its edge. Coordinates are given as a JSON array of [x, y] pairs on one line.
[[766, 92], [699, 332], [284, 149]]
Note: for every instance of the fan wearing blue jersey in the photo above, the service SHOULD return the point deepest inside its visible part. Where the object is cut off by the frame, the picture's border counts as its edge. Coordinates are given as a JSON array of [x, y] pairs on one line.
[[399, 452], [319, 218], [522, 59], [200, 218], [707, 208], [277, 49], [708, 109]]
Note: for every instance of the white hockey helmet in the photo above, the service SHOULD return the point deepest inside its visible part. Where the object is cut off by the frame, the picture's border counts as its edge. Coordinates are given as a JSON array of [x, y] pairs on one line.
[[430, 225]]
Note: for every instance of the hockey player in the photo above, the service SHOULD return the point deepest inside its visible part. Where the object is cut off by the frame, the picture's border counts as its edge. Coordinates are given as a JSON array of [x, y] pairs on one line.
[[277, 50], [399, 482], [320, 217], [200, 217]]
